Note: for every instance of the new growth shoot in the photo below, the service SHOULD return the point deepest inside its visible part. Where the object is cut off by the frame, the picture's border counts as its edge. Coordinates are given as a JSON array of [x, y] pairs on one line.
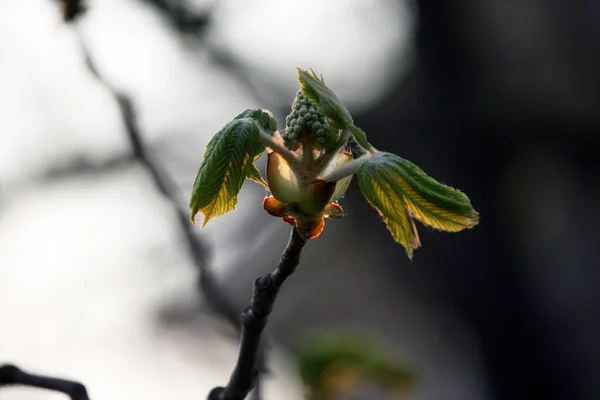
[[309, 169]]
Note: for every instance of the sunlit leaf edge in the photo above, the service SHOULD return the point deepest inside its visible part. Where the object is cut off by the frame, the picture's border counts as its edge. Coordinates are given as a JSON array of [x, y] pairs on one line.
[[227, 162]]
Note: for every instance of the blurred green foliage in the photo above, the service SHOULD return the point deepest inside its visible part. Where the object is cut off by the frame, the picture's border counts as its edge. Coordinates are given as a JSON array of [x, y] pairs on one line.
[[336, 365]]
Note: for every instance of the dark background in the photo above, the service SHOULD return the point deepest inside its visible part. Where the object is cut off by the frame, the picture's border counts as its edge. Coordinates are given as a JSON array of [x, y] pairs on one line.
[[503, 102]]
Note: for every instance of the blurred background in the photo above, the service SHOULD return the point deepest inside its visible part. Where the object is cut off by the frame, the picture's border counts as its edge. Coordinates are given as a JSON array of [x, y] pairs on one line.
[[101, 281]]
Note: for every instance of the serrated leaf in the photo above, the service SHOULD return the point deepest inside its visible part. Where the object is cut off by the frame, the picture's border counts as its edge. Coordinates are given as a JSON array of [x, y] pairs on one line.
[[328, 104], [326, 101], [227, 162], [392, 209], [401, 191], [254, 175]]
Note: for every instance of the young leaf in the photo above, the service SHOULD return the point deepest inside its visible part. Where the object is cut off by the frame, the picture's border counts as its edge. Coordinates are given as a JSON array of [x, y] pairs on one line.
[[400, 191], [227, 162], [254, 175], [361, 137], [327, 102]]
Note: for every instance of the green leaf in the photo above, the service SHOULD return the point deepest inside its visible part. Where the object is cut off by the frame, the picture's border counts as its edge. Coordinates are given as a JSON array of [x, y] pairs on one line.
[[328, 104], [227, 162], [326, 101], [322, 355], [401, 191], [254, 175]]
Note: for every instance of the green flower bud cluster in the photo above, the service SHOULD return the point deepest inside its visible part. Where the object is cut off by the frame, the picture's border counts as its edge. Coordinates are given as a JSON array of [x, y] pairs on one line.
[[305, 122]]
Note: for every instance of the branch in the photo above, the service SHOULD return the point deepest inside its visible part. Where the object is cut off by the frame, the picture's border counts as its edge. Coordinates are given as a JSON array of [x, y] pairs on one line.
[[11, 375], [254, 320], [165, 184], [181, 18]]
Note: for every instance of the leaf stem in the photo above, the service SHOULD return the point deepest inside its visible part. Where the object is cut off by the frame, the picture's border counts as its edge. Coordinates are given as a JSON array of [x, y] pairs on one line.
[[254, 320], [276, 144], [350, 168]]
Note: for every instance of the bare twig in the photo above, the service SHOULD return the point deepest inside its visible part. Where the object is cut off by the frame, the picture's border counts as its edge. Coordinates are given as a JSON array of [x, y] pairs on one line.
[[164, 183], [254, 320], [11, 375]]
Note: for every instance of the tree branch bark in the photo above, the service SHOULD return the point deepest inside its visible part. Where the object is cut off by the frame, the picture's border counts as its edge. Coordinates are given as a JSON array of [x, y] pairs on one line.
[[254, 320], [11, 375]]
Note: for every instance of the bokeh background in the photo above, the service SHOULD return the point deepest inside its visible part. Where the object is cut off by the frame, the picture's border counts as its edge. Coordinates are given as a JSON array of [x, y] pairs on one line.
[[498, 98]]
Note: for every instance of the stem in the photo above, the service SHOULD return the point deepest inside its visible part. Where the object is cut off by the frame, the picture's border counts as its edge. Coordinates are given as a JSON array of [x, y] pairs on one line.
[[254, 320], [308, 157], [350, 168], [11, 375], [277, 146]]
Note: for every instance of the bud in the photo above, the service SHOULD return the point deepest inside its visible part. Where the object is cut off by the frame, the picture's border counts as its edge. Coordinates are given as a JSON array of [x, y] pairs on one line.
[[306, 124]]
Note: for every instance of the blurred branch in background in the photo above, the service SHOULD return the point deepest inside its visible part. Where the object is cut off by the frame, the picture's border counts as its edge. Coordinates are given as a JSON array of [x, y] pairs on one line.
[[72, 11], [188, 21], [163, 182], [181, 18], [11, 375]]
